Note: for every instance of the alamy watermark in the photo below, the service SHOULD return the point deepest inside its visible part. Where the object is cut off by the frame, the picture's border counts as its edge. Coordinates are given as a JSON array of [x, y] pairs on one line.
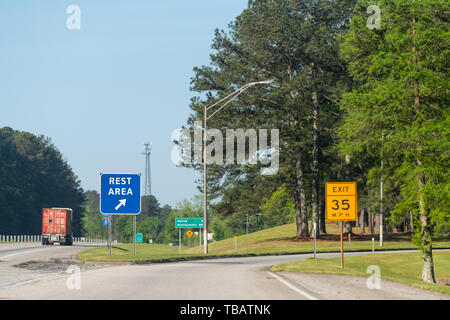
[[374, 280], [190, 151], [74, 280], [374, 21], [73, 22]]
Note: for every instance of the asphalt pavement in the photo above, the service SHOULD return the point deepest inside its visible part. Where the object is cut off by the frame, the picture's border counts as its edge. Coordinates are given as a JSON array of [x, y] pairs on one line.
[[54, 273], [22, 263]]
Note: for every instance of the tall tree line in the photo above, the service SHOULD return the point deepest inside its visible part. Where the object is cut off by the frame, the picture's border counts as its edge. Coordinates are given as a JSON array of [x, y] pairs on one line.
[[150, 222], [352, 103], [34, 175], [398, 110], [296, 44]]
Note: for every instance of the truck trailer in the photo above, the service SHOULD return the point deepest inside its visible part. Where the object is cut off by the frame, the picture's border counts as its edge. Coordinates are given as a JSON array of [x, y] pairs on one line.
[[57, 226]]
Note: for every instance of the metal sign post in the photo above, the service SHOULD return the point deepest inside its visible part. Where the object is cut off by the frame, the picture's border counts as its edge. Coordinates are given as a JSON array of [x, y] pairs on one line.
[[188, 223], [107, 221], [134, 235], [342, 245], [110, 237], [120, 193], [235, 244]]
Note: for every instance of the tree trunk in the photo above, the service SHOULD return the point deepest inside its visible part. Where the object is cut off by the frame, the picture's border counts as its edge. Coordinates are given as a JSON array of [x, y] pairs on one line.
[[300, 202], [411, 222], [425, 227], [315, 155], [425, 234], [370, 218], [357, 220], [323, 229], [362, 221], [299, 189], [377, 220]]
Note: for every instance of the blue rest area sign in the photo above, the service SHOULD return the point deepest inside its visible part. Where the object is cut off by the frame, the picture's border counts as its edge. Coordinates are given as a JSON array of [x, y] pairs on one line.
[[120, 193]]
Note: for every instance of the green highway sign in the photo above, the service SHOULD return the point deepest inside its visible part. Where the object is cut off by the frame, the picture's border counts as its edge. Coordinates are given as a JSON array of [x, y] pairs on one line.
[[189, 223], [139, 237]]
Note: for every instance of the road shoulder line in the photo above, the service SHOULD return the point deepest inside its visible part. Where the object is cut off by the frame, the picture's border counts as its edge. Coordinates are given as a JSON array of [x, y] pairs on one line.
[[291, 286]]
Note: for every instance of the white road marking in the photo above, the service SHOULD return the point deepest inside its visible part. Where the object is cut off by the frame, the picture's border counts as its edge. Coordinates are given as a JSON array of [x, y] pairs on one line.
[[44, 248], [286, 283], [17, 284], [19, 253]]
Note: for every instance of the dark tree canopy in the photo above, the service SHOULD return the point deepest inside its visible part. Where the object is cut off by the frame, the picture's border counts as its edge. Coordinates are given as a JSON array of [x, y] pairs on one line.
[[34, 175]]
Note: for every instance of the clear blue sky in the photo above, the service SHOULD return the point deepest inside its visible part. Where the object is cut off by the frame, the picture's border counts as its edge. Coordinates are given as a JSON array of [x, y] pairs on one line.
[[101, 91]]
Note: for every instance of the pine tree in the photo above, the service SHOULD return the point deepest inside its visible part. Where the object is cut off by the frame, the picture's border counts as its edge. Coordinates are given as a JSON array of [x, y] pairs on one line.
[[398, 108], [294, 43]]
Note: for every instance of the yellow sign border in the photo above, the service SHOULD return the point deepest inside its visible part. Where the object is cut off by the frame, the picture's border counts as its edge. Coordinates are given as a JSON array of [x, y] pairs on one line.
[[355, 195]]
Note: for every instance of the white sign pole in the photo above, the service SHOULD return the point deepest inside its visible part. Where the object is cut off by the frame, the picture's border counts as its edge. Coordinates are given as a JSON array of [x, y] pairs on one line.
[[134, 232], [110, 235]]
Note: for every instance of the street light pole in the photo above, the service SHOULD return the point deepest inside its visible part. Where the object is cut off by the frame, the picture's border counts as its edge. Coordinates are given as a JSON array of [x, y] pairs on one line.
[[230, 98]]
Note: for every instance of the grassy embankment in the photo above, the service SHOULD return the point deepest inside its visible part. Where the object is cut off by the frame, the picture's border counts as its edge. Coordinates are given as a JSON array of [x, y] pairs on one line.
[[277, 240], [404, 267]]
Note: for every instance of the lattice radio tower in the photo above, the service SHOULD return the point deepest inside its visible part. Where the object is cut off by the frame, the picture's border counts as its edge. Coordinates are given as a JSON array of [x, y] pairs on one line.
[[147, 177]]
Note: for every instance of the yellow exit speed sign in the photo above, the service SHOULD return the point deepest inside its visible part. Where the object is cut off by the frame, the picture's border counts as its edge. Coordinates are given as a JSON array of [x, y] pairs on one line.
[[340, 199]]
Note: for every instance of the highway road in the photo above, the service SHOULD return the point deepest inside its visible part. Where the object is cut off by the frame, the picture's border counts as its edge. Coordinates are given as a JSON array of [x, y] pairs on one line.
[[22, 263], [36, 272]]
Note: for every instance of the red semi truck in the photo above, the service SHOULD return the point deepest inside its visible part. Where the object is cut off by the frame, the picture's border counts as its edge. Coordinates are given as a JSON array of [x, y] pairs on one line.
[[57, 226]]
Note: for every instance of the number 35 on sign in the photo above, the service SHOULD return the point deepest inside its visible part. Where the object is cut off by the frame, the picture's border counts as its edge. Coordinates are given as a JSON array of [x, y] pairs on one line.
[[340, 198]]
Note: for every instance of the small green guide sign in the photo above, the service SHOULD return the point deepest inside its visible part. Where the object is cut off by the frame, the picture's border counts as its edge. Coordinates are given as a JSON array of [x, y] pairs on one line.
[[139, 237], [189, 223]]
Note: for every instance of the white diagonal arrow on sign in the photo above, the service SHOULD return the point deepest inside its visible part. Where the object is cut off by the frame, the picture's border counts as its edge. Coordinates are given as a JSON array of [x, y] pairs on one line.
[[121, 203]]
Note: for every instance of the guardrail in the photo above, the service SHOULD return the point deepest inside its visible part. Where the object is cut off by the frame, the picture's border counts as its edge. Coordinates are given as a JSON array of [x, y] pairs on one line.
[[89, 240], [19, 238], [37, 238]]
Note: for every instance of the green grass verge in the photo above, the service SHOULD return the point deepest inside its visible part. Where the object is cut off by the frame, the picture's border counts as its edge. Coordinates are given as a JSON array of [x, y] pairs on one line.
[[277, 240], [124, 253], [402, 267]]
